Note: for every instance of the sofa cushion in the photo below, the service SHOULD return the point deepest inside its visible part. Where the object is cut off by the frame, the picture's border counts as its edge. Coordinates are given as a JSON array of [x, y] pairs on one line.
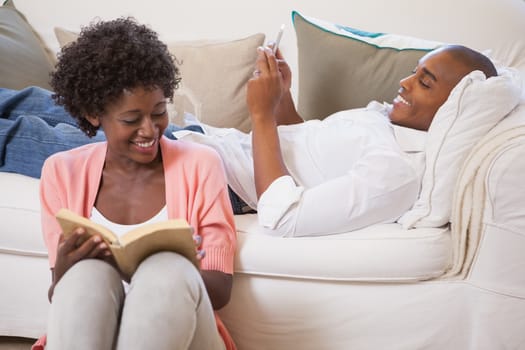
[[214, 75], [342, 67], [21, 46], [20, 213], [378, 253]]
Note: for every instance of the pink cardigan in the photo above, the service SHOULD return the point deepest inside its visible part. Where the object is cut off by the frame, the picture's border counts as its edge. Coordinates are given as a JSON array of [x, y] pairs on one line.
[[196, 190]]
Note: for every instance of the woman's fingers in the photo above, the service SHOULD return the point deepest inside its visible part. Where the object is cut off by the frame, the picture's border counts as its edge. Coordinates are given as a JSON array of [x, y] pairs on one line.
[[201, 254], [100, 250], [197, 239], [81, 245], [70, 243]]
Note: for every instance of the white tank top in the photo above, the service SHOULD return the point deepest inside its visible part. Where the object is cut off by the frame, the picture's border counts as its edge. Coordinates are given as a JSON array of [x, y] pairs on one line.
[[120, 229]]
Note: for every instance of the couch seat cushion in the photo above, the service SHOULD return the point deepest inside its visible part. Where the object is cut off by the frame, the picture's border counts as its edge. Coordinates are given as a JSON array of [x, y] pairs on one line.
[[20, 213], [382, 253]]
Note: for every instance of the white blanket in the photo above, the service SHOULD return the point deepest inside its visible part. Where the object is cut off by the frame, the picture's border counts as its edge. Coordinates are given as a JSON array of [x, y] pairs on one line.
[[470, 192]]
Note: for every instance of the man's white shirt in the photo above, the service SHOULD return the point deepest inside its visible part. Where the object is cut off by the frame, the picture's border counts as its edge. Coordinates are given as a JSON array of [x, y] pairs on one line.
[[346, 172]]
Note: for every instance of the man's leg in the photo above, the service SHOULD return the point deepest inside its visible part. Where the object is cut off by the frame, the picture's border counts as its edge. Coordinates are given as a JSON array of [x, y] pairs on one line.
[[25, 143], [32, 127], [33, 101]]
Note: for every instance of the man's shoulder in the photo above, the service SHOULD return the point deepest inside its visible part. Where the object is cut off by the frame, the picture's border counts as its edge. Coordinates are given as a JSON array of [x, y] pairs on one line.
[[377, 107], [374, 112]]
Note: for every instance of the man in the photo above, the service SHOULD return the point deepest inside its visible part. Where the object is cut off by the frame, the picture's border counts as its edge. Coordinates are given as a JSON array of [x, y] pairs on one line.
[[340, 174], [304, 178]]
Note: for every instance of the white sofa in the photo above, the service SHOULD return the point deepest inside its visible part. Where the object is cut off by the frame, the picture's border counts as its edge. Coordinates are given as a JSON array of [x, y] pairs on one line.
[[380, 287]]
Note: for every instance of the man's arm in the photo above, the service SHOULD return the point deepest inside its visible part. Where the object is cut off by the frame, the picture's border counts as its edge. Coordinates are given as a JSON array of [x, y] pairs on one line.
[[265, 92], [286, 113], [379, 188], [268, 163]]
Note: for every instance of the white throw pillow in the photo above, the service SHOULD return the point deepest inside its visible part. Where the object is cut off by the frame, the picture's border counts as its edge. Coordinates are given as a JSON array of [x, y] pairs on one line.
[[474, 107]]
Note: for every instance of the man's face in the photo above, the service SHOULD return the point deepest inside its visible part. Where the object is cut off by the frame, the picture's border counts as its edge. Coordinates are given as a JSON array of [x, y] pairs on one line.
[[426, 89]]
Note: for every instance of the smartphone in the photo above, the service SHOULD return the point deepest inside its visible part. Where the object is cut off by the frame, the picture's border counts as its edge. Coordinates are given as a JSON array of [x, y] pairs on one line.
[[278, 39]]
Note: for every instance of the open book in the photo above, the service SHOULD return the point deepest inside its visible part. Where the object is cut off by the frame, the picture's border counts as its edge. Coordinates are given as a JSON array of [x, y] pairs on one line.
[[134, 246]]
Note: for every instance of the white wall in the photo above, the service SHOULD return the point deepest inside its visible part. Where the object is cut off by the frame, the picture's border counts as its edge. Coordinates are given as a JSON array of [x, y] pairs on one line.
[[470, 22]]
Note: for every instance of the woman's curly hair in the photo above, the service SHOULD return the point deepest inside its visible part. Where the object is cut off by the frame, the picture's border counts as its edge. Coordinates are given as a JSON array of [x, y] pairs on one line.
[[107, 58]]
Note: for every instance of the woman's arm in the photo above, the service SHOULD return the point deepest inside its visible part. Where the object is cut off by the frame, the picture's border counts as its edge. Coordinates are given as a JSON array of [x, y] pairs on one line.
[[218, 285], [212, 217]]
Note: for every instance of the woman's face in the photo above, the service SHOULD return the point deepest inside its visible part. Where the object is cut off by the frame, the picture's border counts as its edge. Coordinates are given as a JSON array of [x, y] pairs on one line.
[[134, 125], [426, 89]]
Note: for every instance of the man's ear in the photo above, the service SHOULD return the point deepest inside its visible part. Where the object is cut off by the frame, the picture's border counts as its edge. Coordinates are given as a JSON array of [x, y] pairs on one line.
[[93, 120]]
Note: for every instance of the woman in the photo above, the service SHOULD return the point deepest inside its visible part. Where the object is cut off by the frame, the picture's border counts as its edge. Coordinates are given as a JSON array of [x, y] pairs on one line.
[[118, 77]]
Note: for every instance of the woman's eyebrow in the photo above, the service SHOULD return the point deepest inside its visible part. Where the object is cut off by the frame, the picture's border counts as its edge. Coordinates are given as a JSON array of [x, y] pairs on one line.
[[131, 111], [137, 110]]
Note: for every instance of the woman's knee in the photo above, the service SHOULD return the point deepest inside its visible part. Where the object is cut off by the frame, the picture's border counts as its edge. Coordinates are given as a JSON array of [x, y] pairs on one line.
[[168, 270], [168, 262], [87, 276]]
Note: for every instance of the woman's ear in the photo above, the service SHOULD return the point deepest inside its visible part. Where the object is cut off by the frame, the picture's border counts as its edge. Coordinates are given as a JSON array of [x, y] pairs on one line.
[[93, 120]]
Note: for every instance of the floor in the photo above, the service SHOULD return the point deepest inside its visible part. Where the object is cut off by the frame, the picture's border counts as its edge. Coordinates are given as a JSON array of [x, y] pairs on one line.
[[12, 343]]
